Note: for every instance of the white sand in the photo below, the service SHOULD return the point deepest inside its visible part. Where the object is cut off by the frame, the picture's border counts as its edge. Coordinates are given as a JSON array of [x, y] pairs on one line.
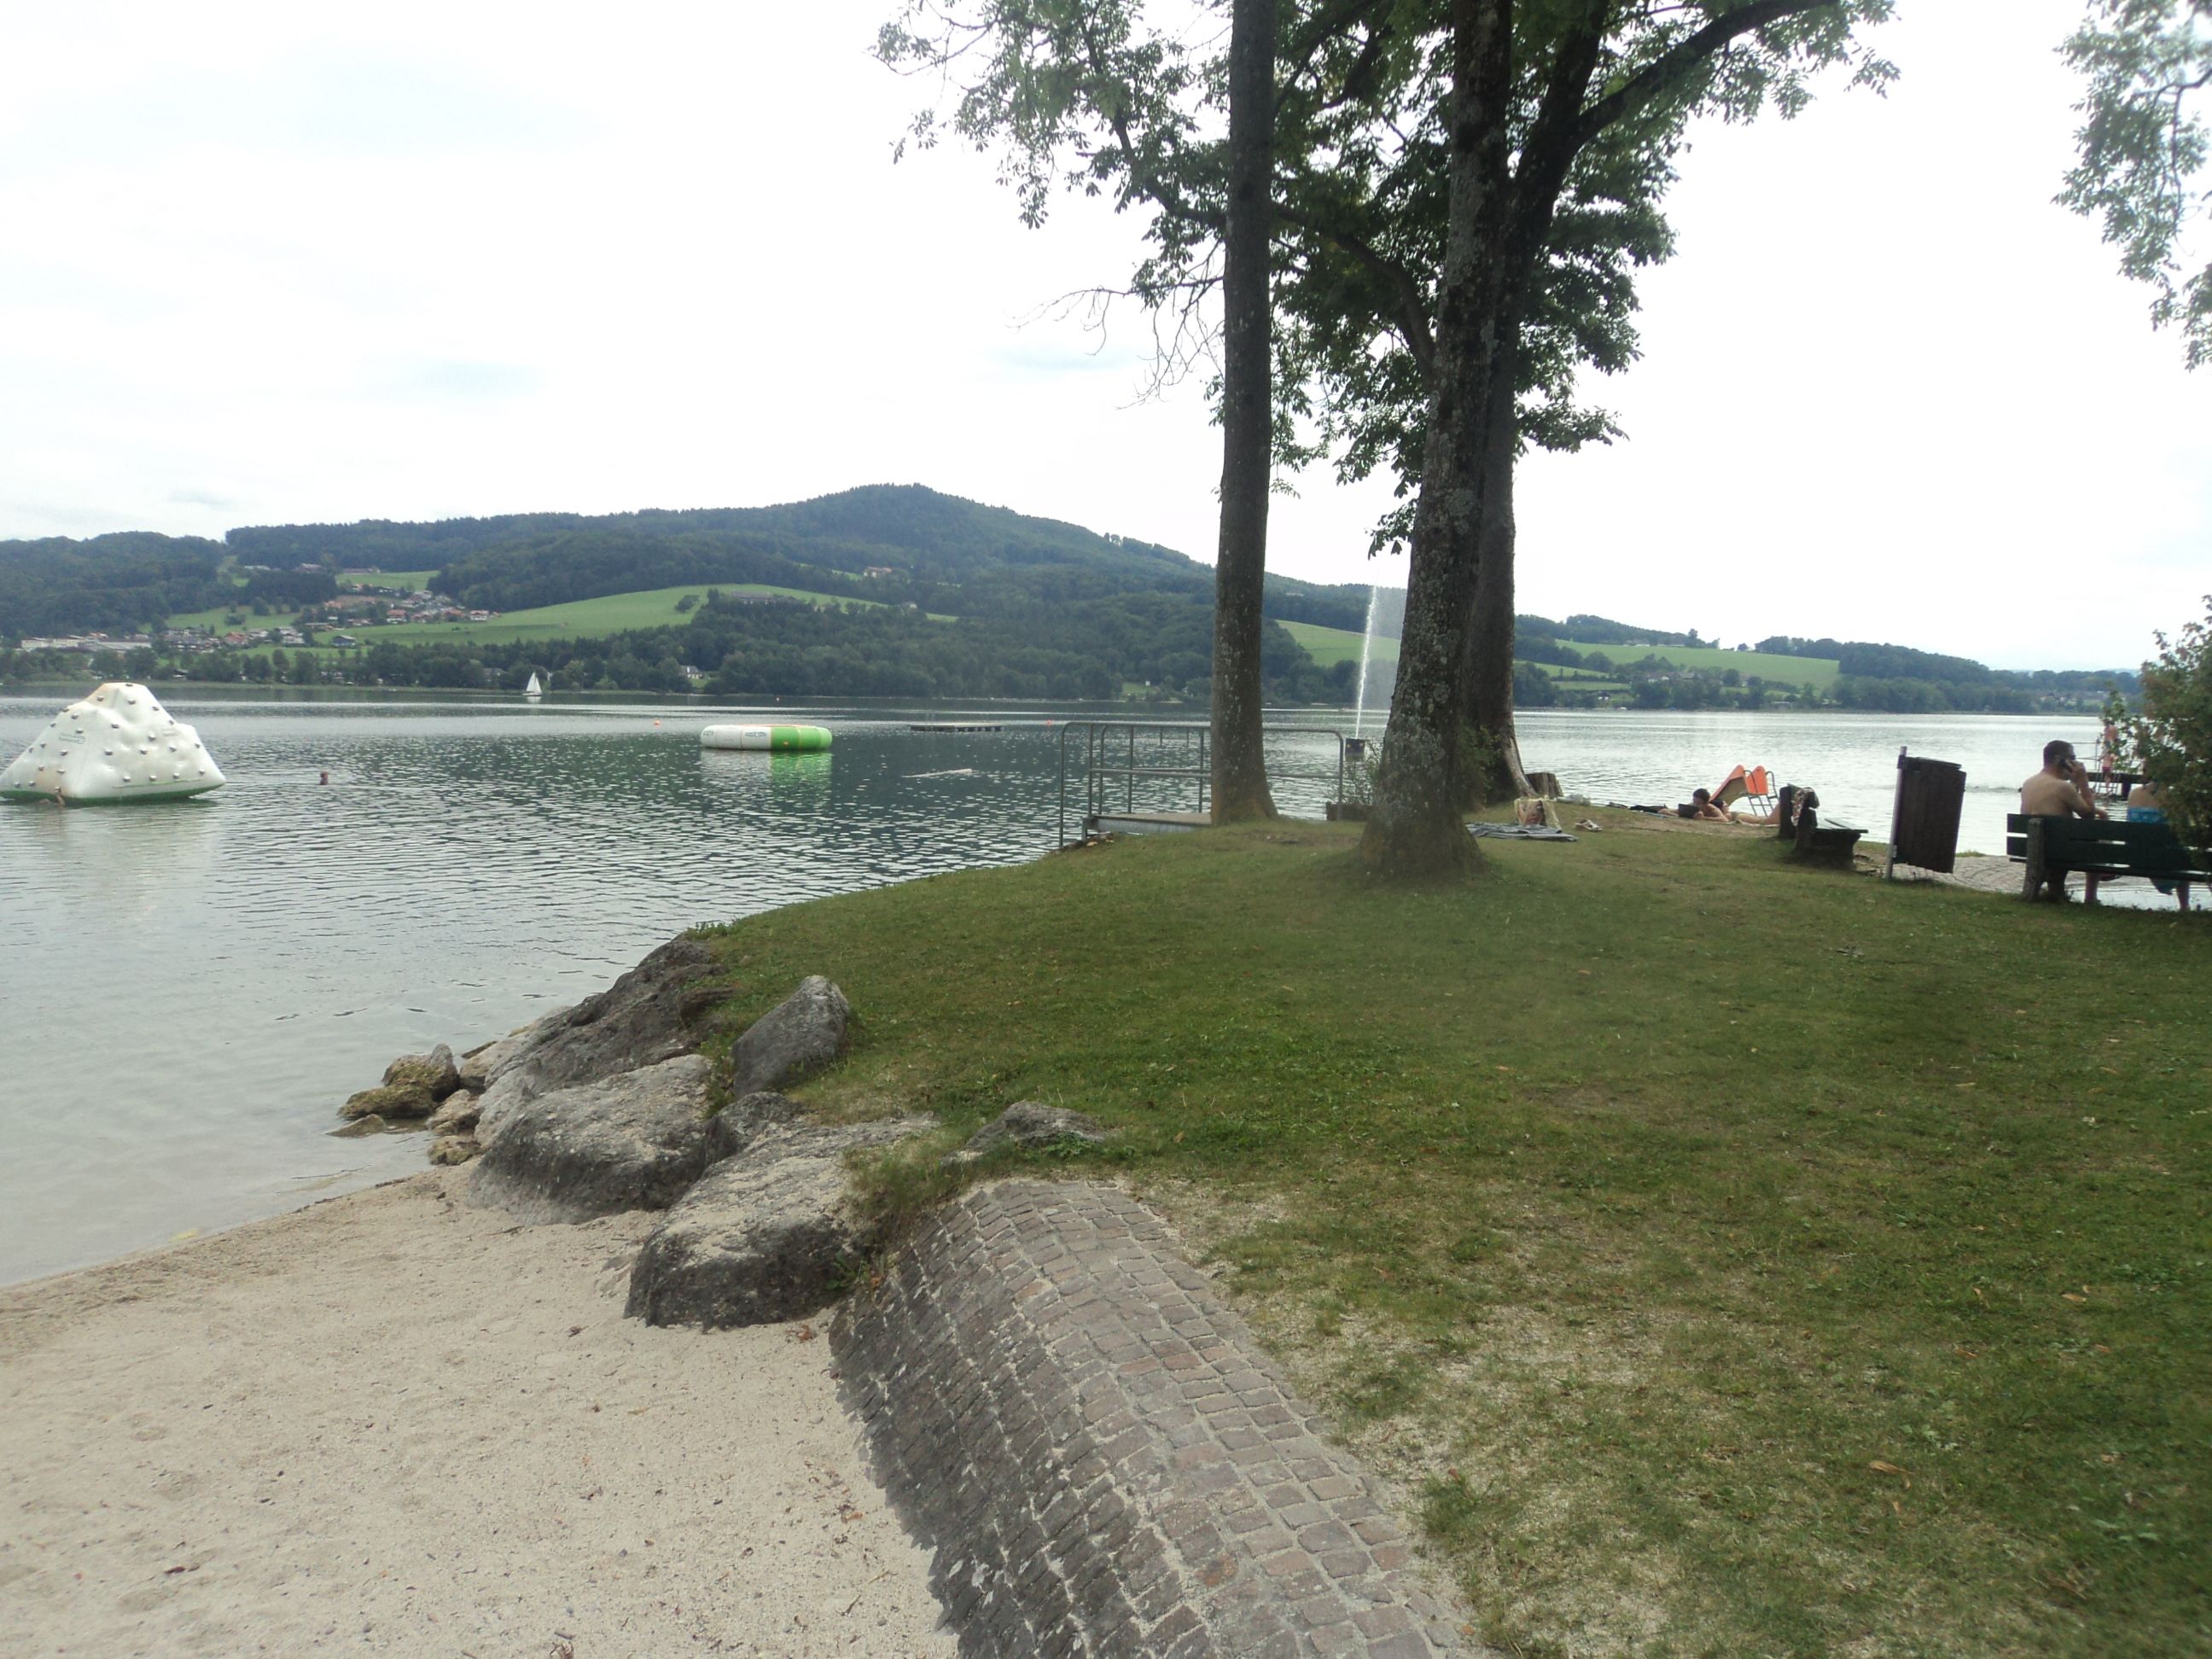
[[392, 1423]]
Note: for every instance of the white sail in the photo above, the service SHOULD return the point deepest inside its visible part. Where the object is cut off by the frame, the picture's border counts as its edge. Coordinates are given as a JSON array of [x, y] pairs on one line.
[[533, 689]]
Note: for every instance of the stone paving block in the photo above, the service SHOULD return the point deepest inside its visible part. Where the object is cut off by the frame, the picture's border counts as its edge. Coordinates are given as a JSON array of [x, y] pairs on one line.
[[1099, 1457]]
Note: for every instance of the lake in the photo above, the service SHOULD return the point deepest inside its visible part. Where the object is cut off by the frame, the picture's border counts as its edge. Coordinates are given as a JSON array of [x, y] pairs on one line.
[[189, 991]]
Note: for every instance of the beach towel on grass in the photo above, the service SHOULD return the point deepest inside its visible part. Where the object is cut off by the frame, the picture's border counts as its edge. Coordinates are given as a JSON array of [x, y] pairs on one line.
[[1516, 832]]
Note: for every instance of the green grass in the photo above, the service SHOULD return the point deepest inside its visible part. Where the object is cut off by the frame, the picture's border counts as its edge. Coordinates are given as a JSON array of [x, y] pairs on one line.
[[1733, 1258], [579, 619], [1331, 646], [1820, 672]]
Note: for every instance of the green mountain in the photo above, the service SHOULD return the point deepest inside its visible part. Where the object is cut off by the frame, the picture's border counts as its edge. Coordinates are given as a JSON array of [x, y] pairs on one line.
[[918, 594]]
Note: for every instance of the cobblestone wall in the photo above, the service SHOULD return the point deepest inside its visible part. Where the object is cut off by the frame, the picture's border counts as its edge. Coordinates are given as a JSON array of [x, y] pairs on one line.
[[1099, 1458]]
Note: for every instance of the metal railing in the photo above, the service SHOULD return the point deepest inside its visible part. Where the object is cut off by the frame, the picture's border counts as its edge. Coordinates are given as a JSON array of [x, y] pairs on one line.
[[1117, 753]]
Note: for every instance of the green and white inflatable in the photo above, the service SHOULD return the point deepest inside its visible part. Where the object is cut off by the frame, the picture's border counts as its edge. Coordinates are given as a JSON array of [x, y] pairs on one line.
[[779, 739]]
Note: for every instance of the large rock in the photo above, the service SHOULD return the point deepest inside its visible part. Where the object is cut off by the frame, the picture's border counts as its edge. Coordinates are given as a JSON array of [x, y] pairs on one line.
[[768, 1235], [652, 1013], [742, 1122], [631, 1142], [392, 1101], [1031, 1123], [434, 1071], [800, 1035]]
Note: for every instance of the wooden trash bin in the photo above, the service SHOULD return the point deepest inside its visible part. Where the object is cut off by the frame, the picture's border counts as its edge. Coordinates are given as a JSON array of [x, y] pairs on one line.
[[1923, 823]]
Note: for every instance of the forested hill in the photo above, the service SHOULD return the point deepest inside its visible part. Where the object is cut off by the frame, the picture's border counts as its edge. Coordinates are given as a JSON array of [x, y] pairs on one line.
[[886, 542], [896, 544]]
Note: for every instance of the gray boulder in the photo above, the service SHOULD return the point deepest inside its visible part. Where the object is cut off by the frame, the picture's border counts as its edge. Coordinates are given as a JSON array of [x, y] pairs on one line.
[[434, 1071], [653, 1012], [738, 1125], [631, 1142], [1031, 1123], [800, 1035], [768, 1235], [454, 1149], [370, 1125], [393, 1100], [458, 1115], [477, 1067]]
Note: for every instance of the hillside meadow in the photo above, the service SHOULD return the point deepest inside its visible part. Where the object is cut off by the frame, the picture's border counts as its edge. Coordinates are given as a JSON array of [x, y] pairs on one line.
[[1730, 1256], [597, 619]]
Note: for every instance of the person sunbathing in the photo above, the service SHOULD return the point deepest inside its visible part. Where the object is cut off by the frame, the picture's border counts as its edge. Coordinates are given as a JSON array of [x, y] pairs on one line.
[[1703, 807]]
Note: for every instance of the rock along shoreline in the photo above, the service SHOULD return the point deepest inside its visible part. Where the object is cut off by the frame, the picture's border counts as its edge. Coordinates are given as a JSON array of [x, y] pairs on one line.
[[1091, 1447]]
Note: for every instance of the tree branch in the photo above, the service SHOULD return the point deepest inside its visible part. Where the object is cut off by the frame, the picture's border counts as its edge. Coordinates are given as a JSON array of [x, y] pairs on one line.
[[1411, 315], [1161, 192], [1679, 59], [1555, 136]]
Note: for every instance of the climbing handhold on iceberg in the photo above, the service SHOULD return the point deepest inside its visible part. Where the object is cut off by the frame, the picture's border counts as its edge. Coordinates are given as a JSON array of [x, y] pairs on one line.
[[117, 744]]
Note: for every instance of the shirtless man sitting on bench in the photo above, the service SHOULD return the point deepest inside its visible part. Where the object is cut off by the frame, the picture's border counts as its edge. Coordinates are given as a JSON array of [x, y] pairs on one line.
[[2061, 789]]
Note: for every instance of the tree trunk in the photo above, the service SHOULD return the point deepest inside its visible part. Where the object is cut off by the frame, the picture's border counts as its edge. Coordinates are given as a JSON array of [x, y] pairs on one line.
[[1239, 758], [1415, 829], [1486, 668]]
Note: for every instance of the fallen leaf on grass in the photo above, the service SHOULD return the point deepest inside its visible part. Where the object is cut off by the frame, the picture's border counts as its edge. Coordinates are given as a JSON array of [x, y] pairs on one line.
[[1880, 1467], [2069, 1296]]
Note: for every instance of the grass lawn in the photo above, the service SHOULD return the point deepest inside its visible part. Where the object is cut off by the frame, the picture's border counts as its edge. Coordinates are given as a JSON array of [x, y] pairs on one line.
[[1732, 1258], [1820, 672]]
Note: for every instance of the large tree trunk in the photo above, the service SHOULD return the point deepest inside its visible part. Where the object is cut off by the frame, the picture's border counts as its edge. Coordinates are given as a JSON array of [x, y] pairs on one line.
[[1240, 763], [1415, 829], [1486, 666]]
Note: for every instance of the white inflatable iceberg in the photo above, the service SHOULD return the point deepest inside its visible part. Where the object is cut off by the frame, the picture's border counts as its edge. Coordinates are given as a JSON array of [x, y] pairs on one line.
[[117, 744]]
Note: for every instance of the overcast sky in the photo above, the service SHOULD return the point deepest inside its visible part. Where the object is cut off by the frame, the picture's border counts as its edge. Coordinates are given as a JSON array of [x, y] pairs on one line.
[[284, 263]]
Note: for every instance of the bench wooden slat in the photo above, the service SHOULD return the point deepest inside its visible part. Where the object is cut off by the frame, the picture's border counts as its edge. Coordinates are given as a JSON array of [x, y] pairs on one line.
[[2106, 847]]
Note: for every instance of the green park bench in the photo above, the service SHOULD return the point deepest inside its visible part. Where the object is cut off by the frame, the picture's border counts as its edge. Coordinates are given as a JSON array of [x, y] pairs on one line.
[[2060, 847]]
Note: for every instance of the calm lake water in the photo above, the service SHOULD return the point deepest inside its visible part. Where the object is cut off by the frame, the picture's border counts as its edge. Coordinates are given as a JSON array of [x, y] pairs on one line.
[[188, 992]]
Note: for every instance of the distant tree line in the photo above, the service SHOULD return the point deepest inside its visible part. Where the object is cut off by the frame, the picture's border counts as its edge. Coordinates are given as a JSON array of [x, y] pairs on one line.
[[1090, 649], [132, 581]]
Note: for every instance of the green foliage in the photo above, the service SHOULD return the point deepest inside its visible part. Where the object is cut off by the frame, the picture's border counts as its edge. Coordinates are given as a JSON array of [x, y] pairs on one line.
[[2141, 143], [750, 646], [2171, 740], [125, 582]]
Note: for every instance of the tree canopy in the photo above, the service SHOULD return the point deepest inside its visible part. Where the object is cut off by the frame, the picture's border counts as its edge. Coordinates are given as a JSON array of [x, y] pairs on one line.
[[2143, 142]]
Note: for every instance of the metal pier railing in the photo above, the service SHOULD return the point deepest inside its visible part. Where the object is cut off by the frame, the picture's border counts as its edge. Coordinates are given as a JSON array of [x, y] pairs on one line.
[[1147, 764]]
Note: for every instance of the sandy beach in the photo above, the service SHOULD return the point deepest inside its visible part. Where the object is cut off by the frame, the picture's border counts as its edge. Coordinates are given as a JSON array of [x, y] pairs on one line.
[[396, 1423]]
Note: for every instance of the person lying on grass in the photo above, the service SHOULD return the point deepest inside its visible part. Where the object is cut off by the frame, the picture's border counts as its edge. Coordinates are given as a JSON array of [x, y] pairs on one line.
[[1703, 807]]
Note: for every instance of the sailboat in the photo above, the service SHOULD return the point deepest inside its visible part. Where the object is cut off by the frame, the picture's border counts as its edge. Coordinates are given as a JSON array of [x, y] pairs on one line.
[[533, 690]]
